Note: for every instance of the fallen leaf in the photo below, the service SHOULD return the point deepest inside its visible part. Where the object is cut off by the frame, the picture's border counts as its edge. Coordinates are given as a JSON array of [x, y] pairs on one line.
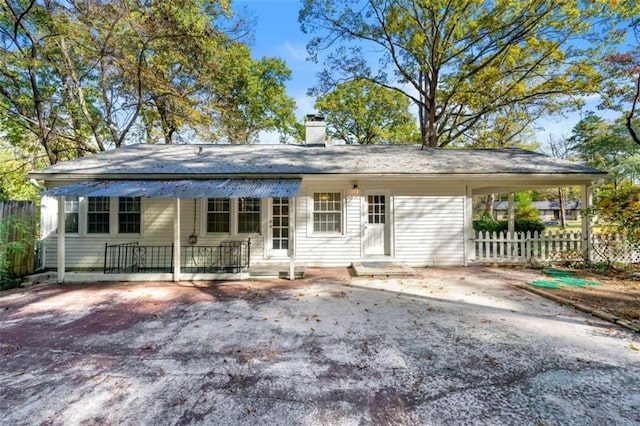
[[634, 347], [19, 373]]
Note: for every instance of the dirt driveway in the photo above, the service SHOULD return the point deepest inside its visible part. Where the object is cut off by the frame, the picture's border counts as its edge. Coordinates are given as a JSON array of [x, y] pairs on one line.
[[450, 346]]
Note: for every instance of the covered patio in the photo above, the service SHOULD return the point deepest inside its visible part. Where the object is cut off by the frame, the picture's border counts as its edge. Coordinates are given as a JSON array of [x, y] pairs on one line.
[[132, 261]]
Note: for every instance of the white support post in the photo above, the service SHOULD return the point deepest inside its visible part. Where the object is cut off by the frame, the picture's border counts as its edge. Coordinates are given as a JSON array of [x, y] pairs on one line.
[[511, 227], [469, 234], [292, 238], [587, 200], [61, 241], [176, 241]]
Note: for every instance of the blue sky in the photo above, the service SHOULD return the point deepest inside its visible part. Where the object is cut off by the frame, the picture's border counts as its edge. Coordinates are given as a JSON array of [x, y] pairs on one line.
[[277, 33]]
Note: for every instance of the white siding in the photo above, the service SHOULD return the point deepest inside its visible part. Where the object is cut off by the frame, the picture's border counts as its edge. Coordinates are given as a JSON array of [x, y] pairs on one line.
[[429, 230], [87, 251], [327, 249], [427, 223], [427, 226]]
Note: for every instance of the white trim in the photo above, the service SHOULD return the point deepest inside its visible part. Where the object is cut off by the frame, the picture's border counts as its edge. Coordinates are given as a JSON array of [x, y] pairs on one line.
[[117, 218], [204, 217], [176, 240], [469, 234], [61, 241], [82, 277], [587, 200], [292, 237], [343, 212], [496, 177], [389, 226], [269, 252]]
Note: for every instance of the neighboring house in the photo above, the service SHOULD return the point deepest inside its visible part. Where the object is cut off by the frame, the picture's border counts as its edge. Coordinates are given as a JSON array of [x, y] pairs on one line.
[[548, 210], [188, 211]]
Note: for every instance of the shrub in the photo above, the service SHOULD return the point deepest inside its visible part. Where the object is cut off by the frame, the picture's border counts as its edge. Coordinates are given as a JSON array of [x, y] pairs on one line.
[[7, 248], [521, 225]]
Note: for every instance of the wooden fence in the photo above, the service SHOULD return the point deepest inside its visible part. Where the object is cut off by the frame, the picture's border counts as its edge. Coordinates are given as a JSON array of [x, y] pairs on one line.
[[18, 219], [523, 247]]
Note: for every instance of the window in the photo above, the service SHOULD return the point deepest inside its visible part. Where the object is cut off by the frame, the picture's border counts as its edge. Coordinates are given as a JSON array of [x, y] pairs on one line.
[[327, 212], [129, 215], [376, 206], [218, 214], [71, 213], [248, 215], [98, 215]]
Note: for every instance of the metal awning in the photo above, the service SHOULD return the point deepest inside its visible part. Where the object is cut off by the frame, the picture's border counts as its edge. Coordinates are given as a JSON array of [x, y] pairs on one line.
[[186, 188]]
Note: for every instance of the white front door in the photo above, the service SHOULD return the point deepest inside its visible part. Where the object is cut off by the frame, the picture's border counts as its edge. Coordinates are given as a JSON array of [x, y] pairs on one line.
[[279, 230], [375, 228]]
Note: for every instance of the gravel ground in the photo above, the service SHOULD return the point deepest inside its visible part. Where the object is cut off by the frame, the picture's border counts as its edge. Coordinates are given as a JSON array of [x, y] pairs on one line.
[[450, 346]]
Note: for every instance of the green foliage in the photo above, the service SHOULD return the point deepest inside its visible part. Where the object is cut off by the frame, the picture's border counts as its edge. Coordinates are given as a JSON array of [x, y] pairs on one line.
[[11, 226], [360, 112], [13, 184], [618, 210], [524, 210], [521, 225], [82, 77], [606, 146], [252, 98], [460, 61]]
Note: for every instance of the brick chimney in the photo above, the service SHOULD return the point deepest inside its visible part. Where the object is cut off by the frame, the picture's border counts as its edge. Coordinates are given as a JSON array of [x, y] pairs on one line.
[[315, 130]]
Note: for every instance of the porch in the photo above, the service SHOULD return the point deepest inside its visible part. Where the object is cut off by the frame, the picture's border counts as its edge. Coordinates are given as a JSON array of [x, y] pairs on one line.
[[227, 257]]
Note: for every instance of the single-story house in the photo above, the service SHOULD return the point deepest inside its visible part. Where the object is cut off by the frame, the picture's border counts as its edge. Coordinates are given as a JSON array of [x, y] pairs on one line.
[[548, 210], [162, 212]]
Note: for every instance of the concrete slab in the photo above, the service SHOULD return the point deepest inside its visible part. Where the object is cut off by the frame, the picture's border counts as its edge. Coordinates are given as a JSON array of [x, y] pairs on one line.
[[448, 346], [275, 270], [382, 269]]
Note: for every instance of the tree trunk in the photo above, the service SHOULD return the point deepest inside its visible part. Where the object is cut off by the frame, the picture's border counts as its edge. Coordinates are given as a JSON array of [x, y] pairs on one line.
[[488, 208], [563, 219]]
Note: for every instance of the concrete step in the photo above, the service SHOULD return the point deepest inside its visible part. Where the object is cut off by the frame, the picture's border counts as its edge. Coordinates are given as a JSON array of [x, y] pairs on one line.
[[40, 278]]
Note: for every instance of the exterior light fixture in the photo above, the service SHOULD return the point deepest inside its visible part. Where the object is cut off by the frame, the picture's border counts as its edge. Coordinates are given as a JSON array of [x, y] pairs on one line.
[[355, 189]]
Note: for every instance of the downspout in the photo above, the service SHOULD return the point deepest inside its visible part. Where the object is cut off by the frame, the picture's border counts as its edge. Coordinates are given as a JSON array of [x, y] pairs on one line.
[[292, 238]]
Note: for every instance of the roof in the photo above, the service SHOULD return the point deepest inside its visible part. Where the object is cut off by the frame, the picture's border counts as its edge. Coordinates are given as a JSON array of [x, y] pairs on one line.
[[542, 205], [183, 188], [296, 160]]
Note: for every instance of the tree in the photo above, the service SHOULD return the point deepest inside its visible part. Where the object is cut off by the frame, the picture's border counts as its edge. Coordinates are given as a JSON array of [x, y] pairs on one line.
[[524, 209], [461, 61], [560, 148], [606, 146], [251, 98], [623, 88], [619, 210], [84, 76], [364, 113]]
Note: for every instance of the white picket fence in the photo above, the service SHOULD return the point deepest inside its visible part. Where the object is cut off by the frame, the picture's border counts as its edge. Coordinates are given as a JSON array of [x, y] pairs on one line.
[[521, 247]]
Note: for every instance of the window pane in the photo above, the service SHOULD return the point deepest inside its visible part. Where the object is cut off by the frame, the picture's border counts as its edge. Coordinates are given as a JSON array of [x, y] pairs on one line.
[[218, 215], [98, 215], [129, 215], [327, 212], [249, 215], [71, 209]]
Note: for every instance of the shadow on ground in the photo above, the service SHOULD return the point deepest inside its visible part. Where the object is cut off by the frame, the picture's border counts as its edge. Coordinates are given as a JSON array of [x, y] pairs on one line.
[[450, 345]]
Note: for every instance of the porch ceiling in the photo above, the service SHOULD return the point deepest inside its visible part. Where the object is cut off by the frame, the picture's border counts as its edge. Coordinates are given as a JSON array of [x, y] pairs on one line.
[[185, 188]]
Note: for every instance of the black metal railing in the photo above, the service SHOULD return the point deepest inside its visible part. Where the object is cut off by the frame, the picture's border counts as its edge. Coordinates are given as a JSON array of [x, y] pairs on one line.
[[134, 258], [38, 257], [229, 257]]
